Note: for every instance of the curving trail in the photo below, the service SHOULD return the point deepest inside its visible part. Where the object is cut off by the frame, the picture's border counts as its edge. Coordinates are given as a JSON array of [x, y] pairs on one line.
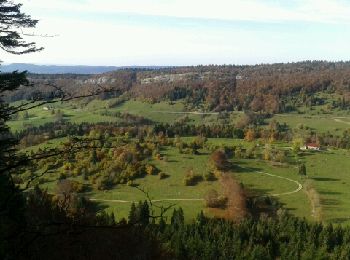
[[186, 113], [160, 200], [339, 120], [284, 178]]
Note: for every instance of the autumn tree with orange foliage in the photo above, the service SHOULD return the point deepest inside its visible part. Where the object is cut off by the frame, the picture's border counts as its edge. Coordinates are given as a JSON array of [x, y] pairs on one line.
[[219, 160], [249, 135]]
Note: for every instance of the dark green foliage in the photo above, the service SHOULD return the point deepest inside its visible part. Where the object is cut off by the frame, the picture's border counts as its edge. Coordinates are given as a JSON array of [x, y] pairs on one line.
[[178, 218], [284, 237], [12, 20], [302, 169], [144, 213], [132, 214], [55, 231], [140, 214]]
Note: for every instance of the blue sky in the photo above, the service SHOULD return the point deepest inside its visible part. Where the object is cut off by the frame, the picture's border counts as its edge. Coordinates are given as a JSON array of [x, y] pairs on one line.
[[188, 32]]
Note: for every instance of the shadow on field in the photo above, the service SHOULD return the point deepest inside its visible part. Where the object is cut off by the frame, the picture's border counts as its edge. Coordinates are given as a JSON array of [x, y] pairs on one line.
[[306, 153], [289, 209], [172, 160], [324, 179], [239, 169], [339, 220], [99, 206], [330, 193], [259, 192], [329, 202]]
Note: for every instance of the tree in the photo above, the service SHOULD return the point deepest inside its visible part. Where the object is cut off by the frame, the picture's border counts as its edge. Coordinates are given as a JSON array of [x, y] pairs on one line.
[[12, 22], [218, 160], [177, 219], [213, 200], [132, 218], [302, 169], [144, 213], [297, 143], [250, 135]]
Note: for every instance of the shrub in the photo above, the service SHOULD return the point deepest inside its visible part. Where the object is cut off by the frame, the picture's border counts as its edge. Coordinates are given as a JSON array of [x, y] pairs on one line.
[[218, 160], [214, 200], [162, 175], [150, 169], [191, 178], [209, 176]]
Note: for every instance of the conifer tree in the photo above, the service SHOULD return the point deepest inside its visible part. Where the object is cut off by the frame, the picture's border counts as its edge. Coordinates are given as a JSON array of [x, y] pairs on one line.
[[12, 22], [132, 218], [144, 213]]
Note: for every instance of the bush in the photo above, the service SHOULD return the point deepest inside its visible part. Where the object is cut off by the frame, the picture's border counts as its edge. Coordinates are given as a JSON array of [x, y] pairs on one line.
[[150, 169], [162, 175], [214, 200], [218, 160], [191, 178], [209, 176], [66, 186]]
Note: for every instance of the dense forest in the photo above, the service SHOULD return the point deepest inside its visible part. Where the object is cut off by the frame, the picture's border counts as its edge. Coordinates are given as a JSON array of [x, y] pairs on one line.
[[268, 88]]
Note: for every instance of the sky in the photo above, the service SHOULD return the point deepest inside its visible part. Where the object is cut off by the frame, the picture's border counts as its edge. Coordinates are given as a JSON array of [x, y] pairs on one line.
[[187, 32]]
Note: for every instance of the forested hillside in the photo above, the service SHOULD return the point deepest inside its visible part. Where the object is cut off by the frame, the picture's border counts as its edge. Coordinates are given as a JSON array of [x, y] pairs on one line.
[[267, 88]]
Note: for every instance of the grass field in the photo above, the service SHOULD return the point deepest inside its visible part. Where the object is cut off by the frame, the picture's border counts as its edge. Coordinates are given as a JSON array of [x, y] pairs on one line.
[[328, 171], [162, 112], [172, 187], [166, 112], [322, 123]]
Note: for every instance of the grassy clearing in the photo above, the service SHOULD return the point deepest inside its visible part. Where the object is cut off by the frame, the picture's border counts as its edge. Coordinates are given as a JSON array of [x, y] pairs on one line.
[[296, 203], [328, 171], [71, 113], [321, 123], [330, 175], [172, 187], [79, 112]]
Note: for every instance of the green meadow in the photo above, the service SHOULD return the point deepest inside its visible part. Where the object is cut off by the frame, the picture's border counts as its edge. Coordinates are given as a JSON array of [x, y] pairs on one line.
[[327, 171], [93, 112]]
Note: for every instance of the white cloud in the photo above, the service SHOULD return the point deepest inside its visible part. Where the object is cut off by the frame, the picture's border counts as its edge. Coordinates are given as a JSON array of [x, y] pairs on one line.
[[255, 10], [85, 40]]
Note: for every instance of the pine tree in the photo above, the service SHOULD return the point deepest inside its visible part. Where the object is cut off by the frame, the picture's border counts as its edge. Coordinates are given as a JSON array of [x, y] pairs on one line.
[[132, 218], [144, 213], [162, 224], [12, 21], [177, 219]]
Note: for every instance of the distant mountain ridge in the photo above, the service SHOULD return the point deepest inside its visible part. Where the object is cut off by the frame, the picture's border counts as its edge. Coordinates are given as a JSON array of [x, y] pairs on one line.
[[58, 69]]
